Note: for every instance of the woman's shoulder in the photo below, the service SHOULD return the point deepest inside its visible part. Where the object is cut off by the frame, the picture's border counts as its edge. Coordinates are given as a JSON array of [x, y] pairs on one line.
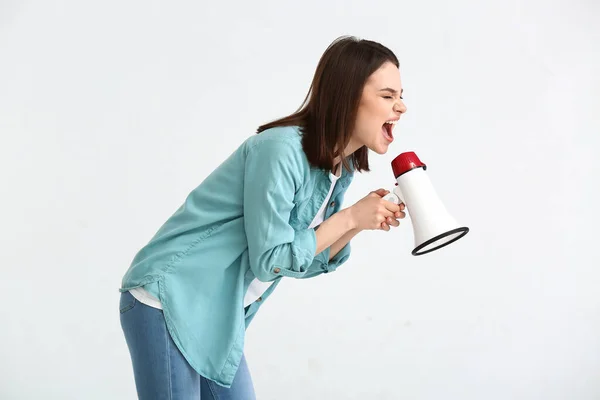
[[279, 148], [279, 142], [278, 135]]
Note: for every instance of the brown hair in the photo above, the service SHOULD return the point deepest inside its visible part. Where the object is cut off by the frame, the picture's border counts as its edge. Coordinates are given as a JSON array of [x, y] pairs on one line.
[[328, 113]]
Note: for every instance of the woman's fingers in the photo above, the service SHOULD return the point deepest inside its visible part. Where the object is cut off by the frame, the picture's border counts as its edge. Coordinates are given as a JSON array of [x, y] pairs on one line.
[[388, 223], [392, 213], [392, 207], [381, 192], [401, 213]]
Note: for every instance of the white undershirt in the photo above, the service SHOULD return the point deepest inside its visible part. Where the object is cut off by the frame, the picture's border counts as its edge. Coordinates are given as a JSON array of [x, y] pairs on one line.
[[256, 288]]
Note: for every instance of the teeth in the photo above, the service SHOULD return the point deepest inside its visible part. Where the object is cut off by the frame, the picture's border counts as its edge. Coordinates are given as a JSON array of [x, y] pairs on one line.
[[391, 122]]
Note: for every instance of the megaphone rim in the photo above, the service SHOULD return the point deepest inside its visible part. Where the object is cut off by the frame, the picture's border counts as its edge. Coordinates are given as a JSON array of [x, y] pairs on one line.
[[463, 230]]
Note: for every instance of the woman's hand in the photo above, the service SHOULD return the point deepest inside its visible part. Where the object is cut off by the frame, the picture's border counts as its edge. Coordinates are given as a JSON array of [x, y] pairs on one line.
[[391, 221], [373, 212]]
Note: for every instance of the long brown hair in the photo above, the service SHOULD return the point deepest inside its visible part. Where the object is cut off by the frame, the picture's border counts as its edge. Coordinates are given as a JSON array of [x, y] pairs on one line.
[[328, 113]]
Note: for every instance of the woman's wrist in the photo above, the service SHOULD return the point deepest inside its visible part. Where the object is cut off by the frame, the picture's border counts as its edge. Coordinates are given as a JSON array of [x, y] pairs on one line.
[[347, 215]]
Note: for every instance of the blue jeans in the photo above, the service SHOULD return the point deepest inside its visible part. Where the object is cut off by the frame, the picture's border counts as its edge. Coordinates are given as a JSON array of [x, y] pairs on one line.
[[159, 368]]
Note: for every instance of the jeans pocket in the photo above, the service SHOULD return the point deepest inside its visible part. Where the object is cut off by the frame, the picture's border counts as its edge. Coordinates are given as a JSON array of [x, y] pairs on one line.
[[127, 302]]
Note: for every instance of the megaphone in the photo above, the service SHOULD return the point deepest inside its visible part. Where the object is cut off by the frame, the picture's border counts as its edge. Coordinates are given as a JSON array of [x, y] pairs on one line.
[[433, 226]]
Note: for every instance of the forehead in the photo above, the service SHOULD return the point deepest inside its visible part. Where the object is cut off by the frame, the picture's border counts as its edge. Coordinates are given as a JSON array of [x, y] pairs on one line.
[[388, 75]]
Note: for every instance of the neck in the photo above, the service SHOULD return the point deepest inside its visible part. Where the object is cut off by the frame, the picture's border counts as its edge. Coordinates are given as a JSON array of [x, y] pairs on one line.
[[350, 148]]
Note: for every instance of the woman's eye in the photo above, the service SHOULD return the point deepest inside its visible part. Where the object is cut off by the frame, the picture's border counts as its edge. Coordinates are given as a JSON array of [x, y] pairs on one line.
[[387, 97]]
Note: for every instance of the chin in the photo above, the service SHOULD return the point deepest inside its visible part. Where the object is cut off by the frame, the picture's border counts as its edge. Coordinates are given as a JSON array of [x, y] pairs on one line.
[[380, 149]]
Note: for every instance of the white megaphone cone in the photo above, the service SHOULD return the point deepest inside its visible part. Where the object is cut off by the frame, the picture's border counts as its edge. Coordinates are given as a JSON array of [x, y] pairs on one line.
[[433, 226]]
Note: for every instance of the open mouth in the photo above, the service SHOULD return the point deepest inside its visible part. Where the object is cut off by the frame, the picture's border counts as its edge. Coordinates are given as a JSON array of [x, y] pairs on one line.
[[387, 129]]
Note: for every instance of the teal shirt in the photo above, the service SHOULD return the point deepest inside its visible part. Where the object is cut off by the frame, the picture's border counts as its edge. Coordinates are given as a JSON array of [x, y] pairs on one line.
[[248, 219]]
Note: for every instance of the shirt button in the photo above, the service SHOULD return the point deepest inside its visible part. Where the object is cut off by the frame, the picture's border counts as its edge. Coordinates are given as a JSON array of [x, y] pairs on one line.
[[259, 299], [277, 270], [332, 204]]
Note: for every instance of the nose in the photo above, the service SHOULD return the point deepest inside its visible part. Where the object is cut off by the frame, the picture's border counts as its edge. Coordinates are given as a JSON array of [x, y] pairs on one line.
[[400, 107]]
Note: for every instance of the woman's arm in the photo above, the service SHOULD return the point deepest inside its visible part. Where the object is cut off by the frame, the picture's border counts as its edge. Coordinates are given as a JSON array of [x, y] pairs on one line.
[[350, 227], [333, 230], [272, 174], [344, 240]]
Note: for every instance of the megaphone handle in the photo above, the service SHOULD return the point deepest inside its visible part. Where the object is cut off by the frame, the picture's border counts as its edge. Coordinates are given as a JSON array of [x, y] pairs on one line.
[[395, 196]]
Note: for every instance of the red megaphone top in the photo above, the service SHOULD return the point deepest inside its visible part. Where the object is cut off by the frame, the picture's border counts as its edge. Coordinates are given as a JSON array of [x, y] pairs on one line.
[[406, 162]]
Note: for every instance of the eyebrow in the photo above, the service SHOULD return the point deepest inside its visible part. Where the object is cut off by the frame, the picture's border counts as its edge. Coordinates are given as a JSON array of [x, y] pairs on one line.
[[394, 91]]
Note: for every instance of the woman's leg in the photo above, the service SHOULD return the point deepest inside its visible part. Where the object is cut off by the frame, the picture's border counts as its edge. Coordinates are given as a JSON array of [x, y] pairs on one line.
[[159, 368], [241, 388]]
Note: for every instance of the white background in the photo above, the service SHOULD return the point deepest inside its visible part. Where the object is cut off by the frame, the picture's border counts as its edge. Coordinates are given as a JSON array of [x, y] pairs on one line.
[[111, 112]]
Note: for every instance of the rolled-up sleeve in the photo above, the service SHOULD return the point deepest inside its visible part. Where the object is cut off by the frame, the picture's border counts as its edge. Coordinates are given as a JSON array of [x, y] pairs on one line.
[[341, 257], [273, 173], [322, 264]]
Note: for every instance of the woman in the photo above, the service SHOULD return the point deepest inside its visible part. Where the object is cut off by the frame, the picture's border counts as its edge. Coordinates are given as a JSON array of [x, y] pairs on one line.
[[271, 210]]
